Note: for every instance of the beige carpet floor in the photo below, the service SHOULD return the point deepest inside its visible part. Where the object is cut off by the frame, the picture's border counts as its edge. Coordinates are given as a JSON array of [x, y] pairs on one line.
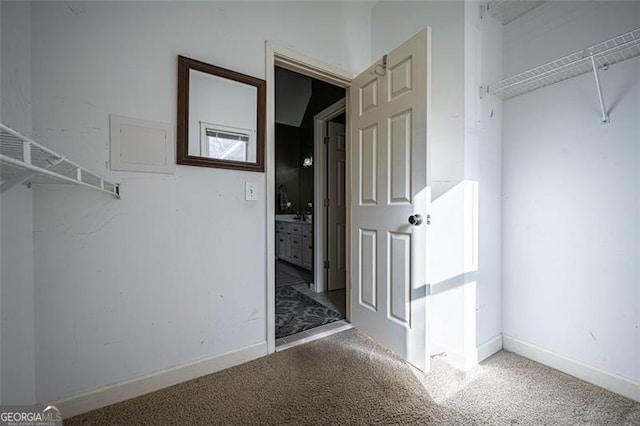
[[348, 379]]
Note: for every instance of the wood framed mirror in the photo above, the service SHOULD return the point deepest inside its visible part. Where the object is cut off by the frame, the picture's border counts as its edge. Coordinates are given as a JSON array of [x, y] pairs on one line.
[[221, 117]]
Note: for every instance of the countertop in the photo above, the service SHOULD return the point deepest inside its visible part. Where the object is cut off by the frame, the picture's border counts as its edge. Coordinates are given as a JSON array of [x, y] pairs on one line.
[[289, 219]]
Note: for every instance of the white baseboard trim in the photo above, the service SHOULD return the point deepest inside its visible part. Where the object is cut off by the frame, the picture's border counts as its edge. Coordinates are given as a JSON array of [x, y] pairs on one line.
[[466, 361], [490, 347], [118, 392], [612, 382], [452, 357]]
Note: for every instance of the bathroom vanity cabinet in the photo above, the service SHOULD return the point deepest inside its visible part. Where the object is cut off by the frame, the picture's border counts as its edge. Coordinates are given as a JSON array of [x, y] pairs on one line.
[[294, 242]]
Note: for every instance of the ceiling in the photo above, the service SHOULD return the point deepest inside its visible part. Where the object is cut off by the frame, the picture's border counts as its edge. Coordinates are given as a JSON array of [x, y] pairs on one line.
[[293, 92], [506, 11]]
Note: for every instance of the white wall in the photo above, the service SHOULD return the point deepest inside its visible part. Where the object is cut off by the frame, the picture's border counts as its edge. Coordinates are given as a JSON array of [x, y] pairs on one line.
[[571, 204], [466, 318], [483, 161], [452, 305], [393, 22], [16, 206], [176, 270]]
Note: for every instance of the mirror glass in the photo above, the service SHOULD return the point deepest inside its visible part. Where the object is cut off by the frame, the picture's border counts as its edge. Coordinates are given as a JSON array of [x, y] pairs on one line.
[[220, 117]]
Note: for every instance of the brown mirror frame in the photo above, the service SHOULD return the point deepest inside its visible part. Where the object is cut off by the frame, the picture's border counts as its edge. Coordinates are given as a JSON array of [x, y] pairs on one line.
[[183, 157]]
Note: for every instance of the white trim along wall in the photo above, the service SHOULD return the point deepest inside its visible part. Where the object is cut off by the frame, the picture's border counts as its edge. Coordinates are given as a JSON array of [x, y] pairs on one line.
[[614, 383]]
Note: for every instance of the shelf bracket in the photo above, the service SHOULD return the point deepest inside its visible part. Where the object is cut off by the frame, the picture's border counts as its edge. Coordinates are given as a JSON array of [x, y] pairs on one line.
[[16, 181], [484, 9], [605, 116], [483, 91], [24, 177]]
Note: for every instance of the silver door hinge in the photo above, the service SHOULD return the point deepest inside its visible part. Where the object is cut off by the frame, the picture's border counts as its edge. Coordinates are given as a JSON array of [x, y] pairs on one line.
[[428, 219], [326, 202], [326, 140], [326, 264]]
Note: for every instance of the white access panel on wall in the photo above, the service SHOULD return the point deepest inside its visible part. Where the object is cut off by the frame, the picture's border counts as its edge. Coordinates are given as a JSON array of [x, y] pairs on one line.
[[141, 145]]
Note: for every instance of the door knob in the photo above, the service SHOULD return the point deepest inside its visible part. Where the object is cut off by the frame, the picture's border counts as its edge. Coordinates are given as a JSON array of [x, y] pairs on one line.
[[415, 219]]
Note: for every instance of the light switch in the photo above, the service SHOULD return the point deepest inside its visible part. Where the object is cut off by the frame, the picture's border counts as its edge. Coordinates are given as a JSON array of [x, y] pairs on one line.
[[250, 191]]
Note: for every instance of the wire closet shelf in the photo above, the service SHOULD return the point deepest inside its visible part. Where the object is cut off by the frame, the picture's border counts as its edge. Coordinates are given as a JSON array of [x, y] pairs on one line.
[[25, 161], [604, 54]]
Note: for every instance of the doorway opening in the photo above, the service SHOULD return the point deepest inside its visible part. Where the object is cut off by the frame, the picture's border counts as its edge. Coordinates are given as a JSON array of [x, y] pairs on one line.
[[306, 301]]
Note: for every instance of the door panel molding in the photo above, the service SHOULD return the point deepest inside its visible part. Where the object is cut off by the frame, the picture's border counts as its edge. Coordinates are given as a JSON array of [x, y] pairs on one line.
[[336, 180], [367, 278]]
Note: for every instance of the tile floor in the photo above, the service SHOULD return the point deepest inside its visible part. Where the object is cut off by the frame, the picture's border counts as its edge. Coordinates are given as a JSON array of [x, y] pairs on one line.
[[288, 274], [336, 300]]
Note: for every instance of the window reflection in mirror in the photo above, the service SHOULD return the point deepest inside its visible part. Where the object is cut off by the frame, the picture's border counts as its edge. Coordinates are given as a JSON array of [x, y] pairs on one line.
[[227, 143]]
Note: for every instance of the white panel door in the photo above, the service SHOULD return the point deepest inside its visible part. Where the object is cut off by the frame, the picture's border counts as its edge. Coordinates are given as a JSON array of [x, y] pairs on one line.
[[337, 210], [389, 182]]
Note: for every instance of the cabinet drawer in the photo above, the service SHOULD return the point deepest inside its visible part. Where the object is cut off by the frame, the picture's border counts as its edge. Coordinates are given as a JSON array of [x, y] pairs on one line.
[[295, 255], [296, 241], [307, 242], [282, 227], [306, 230], [295, 228]]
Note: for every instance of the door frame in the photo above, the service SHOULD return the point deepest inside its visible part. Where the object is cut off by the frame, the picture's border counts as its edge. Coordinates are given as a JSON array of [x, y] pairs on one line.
[[289, 59], [320, 220]]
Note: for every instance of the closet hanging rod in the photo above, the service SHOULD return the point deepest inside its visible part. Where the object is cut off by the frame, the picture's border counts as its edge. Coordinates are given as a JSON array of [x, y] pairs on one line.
[[23, 160], [608, 52]]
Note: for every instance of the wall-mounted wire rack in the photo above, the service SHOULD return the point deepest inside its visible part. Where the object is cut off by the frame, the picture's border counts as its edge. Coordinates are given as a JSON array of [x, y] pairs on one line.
[[25, 161], [601, 55]]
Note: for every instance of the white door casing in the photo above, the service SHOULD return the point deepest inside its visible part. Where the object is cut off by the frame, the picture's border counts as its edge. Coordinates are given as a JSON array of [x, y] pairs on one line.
[[389, 182], [336, 211], [276, 55]]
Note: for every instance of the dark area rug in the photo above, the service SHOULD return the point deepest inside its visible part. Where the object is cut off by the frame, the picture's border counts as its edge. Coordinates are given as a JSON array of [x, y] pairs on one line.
[[296, 312]]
